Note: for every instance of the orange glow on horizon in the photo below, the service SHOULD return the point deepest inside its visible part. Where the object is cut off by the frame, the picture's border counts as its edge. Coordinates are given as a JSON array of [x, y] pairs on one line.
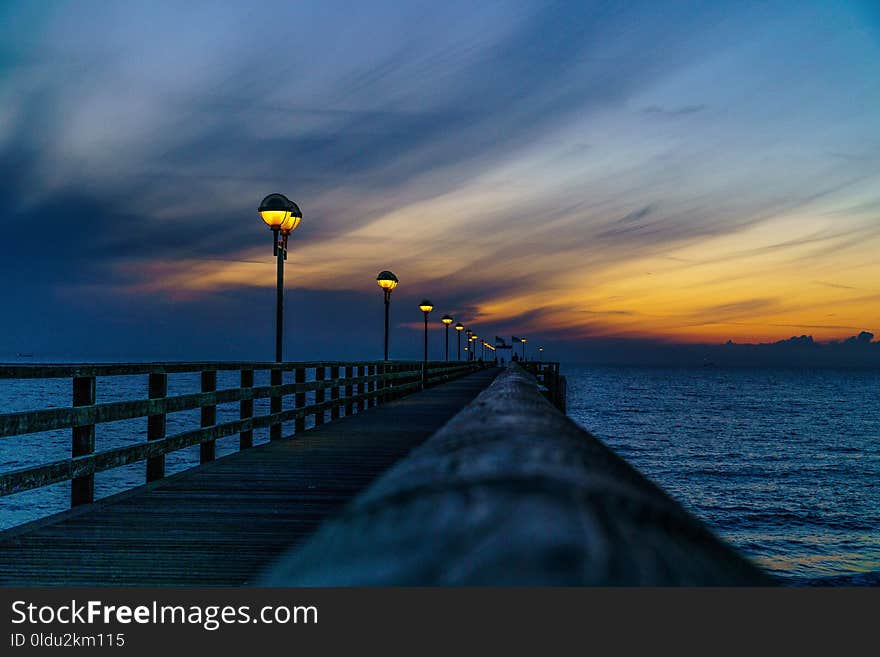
[[790, 274]]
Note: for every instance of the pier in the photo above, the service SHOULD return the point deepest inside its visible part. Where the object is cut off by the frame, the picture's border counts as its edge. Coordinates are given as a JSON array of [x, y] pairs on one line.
[[458, 473], [220, 522]]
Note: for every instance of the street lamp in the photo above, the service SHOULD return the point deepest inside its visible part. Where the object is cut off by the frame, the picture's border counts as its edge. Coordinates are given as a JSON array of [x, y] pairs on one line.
[[387, 281], [282, 216], [426, 307], [467, 347], [447, 320], [541, 353], [458, 329], [474, 339], [523, 341]]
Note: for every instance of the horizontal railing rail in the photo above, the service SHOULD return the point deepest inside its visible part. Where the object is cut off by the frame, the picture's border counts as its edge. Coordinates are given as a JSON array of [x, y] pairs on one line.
[[352, 386]]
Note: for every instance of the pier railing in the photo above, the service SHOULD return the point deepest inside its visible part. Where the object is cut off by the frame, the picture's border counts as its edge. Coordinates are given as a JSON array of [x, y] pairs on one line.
[[340, 388], [553, 385]]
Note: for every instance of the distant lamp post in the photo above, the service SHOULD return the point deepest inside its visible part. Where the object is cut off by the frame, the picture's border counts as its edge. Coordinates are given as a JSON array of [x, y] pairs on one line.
[[387, 281], [458, 329], [447, 320], [541, 353], [474, 339], [523, 341], [282, 216], [426, 307], [467, 347]]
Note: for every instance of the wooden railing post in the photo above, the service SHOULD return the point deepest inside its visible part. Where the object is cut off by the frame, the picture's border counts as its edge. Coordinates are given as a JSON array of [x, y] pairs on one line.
[[320, 395], [157, 389], [362, 387], [246, 410], [275, 379], [349, 389], [208, 449], [334, 392], [371, 386], [299, 376], [82, 489]]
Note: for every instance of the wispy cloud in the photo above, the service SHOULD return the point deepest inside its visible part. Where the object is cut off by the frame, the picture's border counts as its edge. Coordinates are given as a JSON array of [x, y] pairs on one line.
[[571, 167]]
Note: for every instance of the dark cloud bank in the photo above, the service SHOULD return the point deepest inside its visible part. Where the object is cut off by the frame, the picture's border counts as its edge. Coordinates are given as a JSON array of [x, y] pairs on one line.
[[858, 351]]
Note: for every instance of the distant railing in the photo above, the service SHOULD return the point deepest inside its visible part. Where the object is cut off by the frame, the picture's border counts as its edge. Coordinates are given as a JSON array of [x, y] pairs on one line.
[[352, 387], [552, 382]]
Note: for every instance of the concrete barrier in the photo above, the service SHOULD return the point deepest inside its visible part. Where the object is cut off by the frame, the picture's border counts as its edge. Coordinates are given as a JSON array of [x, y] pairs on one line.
[[512, 492]]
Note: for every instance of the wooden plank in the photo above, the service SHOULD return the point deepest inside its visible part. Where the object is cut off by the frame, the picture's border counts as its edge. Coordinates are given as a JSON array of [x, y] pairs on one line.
[[208, 448], [156, 424], [246, 410], [299, 374], [82, 488], [334, 392], [349, 389], [66, 371], [320, 395]]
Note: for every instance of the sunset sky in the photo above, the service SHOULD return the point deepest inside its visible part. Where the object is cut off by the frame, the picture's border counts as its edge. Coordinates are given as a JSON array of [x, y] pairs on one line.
[[660, 171]]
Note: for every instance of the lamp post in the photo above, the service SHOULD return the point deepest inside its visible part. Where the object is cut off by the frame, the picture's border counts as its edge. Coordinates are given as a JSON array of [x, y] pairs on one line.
[[474, 339], [523, 342], [426, 307], [447, 320], [282, 216], [469, 333], [541, 354], [458, 329], [387, 281]]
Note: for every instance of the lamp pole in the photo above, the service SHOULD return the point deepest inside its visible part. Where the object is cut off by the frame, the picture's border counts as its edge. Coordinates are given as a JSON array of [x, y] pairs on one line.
[[426, 307], [279, 297], [447, 320], [387, 281], [458, 329], [468, 333], [523, 343], [282, 216], [541, 354]]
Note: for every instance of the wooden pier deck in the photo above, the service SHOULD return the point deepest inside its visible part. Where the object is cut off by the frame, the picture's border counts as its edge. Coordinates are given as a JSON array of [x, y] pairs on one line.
[[220, 524]]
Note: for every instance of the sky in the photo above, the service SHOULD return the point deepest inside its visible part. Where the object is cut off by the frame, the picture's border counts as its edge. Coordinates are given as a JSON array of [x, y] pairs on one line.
[[647, 172]]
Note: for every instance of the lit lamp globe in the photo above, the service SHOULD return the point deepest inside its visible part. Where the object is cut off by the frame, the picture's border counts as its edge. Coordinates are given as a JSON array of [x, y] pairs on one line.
[[387, 280], [426, 306], [446, 319], [279, 213], [459, 327]]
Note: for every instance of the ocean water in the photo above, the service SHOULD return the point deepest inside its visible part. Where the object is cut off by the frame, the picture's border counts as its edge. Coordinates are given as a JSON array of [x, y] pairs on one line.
[[784, 464]]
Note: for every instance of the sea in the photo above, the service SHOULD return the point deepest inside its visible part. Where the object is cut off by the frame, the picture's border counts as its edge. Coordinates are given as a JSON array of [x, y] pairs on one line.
[[782, 463]]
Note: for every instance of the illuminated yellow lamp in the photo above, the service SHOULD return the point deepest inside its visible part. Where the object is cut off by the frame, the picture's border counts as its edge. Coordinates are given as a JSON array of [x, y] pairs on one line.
[[426, 306], [446, 319], [292, 222], [387, 280], [459, 327], [280, 213]]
